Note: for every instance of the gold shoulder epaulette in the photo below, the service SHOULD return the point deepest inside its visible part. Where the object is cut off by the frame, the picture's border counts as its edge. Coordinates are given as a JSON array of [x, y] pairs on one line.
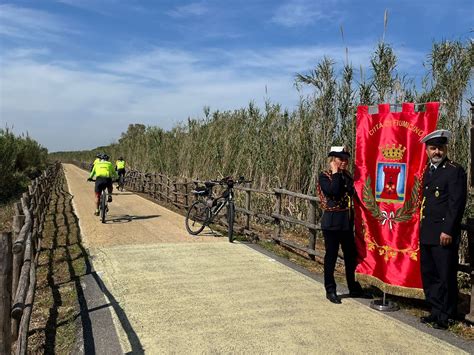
[[451, 163], [327, 173]]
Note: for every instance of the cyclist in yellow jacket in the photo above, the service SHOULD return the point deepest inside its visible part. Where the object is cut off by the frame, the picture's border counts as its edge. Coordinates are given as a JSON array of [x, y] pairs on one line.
[[120, 168], [105, 174]]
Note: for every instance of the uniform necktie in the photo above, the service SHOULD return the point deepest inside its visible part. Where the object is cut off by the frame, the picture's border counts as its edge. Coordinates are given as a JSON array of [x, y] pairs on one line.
[[432, 169]]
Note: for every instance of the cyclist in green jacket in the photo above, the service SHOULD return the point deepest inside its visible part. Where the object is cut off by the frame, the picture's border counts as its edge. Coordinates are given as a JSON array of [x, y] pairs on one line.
[[104, 173], [120, 168]]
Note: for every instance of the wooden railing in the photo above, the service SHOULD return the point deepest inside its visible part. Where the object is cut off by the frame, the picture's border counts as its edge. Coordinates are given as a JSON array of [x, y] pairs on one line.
[[18, 261], [176, 192]]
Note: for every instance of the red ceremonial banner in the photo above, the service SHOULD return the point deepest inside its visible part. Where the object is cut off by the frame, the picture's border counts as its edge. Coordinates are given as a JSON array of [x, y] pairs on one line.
[[389, 166]]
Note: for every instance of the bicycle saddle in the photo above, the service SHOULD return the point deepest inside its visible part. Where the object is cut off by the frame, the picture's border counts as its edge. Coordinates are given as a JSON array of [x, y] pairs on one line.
[[201, 190]]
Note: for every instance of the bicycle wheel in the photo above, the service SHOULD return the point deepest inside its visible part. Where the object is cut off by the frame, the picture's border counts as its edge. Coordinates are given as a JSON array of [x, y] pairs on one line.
[[103, 206], [121, 182], [230, 220], [196, 217]]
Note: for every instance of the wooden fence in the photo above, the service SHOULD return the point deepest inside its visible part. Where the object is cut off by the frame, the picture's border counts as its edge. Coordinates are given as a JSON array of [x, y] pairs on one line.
[[176, 192], [18, 261]]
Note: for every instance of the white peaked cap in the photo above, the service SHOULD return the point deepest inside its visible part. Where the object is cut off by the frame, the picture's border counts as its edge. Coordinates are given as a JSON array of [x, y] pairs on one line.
[[440, 136], [339, 151]]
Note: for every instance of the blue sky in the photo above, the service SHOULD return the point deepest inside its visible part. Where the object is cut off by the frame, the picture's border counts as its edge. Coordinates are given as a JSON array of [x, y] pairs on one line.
[[75, 73]]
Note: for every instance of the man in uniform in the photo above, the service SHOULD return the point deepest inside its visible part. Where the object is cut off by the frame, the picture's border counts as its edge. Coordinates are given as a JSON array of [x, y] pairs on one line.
[[444, 200]]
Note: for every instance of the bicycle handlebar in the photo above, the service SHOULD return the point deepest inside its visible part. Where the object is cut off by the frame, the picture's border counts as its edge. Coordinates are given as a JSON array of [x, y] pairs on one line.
[[228, 180], [93, 180]]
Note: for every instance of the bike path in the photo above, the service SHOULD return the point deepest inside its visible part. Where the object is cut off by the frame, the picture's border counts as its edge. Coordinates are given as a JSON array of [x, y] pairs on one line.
[[181, 294]]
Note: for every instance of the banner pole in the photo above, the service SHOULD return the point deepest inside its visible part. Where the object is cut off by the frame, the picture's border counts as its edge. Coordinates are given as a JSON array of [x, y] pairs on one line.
[[401, 104], [383, 305]]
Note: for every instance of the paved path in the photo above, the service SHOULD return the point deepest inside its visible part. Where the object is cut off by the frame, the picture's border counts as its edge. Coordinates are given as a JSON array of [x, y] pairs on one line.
[[174, 293]]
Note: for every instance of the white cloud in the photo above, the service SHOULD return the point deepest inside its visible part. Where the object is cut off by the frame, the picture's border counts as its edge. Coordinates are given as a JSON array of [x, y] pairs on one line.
[[24, 23], [193, 9], [65, 106], [297, 13], [103, 7]]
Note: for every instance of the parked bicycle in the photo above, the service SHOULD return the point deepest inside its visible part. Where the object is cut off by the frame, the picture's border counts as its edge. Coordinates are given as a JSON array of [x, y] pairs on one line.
[[205, 209]]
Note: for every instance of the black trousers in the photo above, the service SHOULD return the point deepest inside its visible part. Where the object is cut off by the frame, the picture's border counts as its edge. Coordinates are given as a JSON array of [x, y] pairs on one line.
[[439, 276], [332, 240]]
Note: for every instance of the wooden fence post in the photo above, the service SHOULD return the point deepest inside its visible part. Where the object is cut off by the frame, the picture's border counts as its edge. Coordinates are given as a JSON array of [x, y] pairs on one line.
[[18, 222], [278, 211], [23, 283], [186, 197], [175, 185], [247, 207], [312, 232], [168, 198], [161, 187], [5, 292], [470, 240]]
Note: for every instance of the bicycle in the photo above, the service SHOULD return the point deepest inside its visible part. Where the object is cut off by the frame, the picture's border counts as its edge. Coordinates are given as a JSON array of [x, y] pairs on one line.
[[121, 182], [205, 209], [103, 204]]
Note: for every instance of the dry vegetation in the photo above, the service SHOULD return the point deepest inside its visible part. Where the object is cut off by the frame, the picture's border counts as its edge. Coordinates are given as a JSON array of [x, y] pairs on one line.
[[276, 147]]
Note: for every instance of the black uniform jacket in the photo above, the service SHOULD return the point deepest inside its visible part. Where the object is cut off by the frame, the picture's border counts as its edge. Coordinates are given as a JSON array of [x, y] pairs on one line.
[[444, 196], [336, 191]]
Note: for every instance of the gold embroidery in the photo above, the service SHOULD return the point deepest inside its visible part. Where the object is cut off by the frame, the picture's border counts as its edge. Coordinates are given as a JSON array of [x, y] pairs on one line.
[[403, 214], [387, 251], [341, 205]]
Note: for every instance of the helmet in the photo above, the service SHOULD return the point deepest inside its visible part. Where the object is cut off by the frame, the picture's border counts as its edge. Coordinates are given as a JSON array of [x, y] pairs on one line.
[[105, 157]]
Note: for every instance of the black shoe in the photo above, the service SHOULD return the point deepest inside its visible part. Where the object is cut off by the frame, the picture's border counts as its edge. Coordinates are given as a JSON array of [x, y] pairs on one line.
[[333, 297], [440, 324], [109, 199], [428, 319]]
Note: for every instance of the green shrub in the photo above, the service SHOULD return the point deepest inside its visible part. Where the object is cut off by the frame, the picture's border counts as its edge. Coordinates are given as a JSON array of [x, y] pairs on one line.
[[21, 159]]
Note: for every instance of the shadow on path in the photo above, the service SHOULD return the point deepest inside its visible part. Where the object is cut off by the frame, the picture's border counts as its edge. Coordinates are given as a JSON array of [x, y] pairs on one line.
[[127, 218], [65, 262]]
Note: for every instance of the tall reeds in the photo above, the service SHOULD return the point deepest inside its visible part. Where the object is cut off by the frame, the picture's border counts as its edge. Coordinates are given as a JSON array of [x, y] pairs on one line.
[[277, 147]]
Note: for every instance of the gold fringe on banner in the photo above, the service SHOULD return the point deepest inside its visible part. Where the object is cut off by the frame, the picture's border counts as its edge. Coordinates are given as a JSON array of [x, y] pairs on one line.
[[391, 289]]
